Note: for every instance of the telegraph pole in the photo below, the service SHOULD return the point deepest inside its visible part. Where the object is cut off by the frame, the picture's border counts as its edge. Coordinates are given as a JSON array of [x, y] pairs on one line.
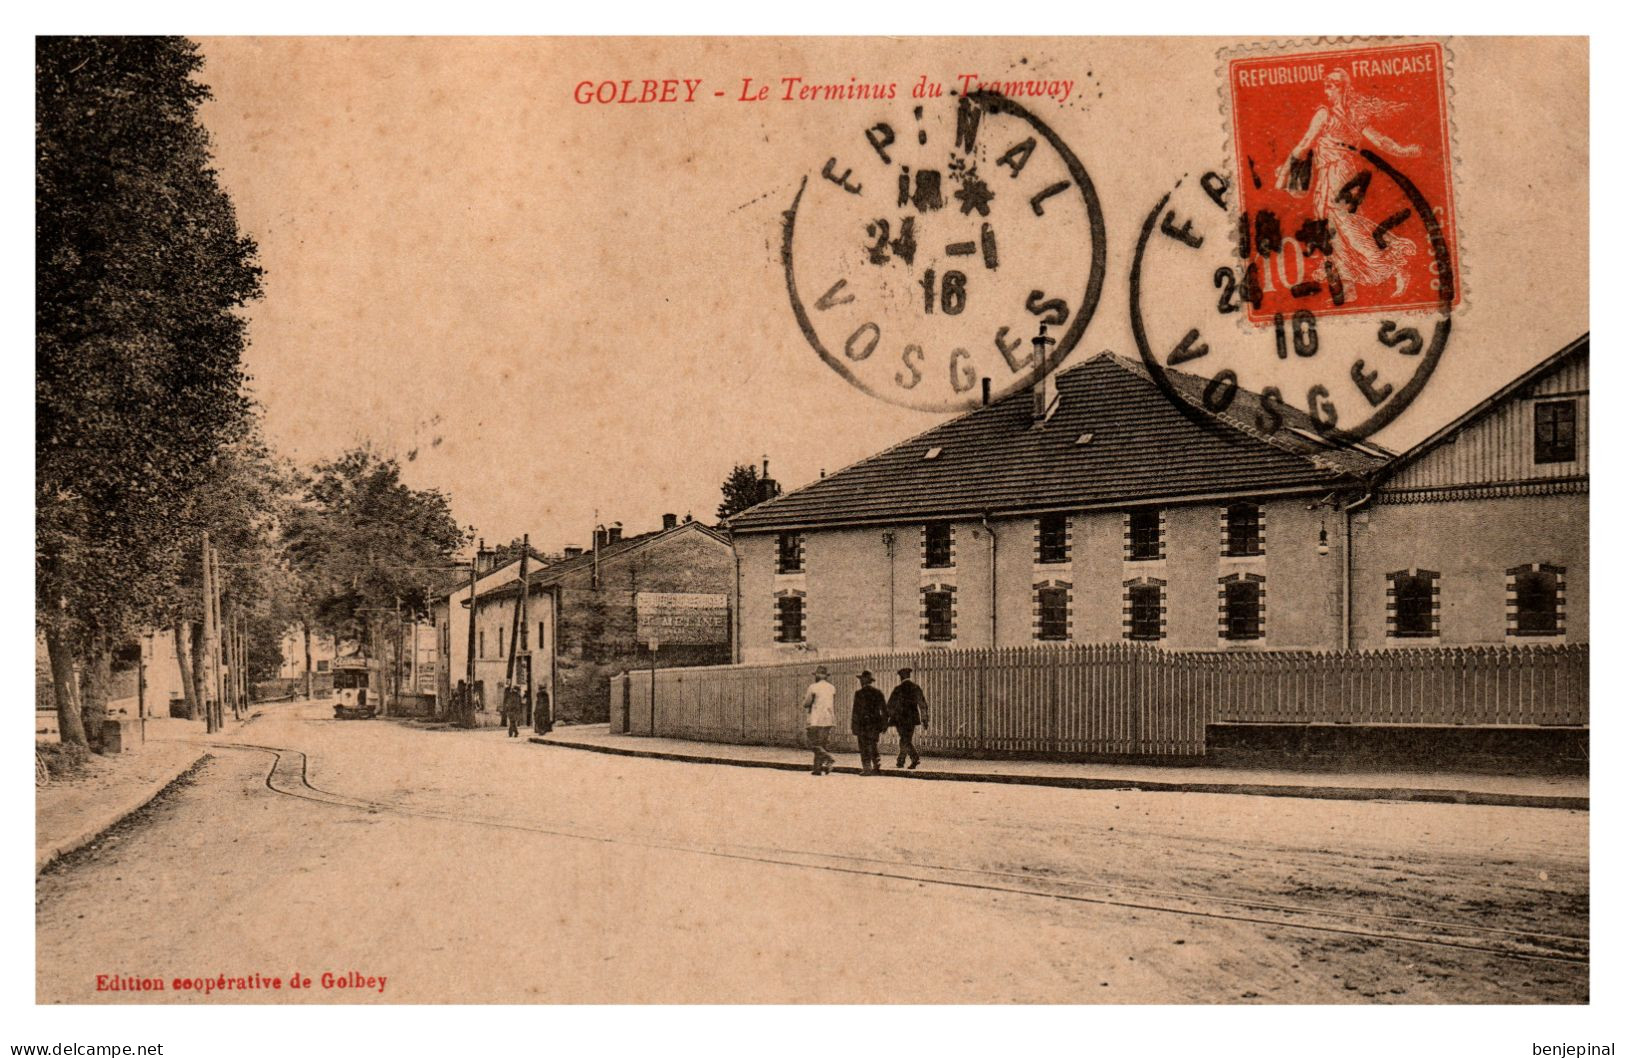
[[240, 666], [215, 657], [211, 652], [521, 616], [517, 639], [400, 645], [473, 600]]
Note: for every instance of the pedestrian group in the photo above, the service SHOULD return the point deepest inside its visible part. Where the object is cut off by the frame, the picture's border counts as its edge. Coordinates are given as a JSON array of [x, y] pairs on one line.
[[872, 714]]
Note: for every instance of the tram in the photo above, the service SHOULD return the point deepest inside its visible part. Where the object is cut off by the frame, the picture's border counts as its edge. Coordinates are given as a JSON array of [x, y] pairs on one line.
[[350, 677]]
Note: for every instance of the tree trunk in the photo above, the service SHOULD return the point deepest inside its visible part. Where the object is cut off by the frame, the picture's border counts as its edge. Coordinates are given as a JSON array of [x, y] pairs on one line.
[[310, 685], [183, 659], [98, 680], [200, 674], [70, 725]]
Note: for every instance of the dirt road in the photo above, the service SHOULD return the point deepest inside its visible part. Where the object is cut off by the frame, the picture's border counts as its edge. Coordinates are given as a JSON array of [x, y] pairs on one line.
[[418, 866]]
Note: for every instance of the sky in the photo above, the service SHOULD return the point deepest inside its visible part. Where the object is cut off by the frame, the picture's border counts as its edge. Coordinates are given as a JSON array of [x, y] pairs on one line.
[[567, 313]]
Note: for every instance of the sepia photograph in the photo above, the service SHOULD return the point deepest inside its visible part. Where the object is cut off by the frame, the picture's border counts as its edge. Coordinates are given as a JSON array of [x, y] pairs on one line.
[[497, 497]]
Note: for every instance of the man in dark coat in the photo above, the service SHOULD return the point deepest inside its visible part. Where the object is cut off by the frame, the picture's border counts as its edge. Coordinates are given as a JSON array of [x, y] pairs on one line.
[[868, 721], [908, 710]]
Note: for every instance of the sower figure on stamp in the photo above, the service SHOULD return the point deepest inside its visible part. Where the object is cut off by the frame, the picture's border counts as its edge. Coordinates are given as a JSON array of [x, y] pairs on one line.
[[1329, 152], [819, 705], [868, 721], [908, 710]]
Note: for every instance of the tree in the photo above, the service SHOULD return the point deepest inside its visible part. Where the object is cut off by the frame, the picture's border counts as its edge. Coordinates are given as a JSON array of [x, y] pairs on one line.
[[503, 554], [139, 385], [744, 488], [364, 542]]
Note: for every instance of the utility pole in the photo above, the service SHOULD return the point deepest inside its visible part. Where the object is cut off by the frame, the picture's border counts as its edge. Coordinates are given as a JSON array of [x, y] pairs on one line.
[[412, 661], [209, 653], [521, 617], [141, 682], [228, 663], [219, 671], [517, 638], [473, 601], [240, 666], [400, 645]]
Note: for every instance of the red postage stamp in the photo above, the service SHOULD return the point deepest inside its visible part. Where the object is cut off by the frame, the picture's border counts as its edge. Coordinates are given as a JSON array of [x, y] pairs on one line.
[[1344, 169]]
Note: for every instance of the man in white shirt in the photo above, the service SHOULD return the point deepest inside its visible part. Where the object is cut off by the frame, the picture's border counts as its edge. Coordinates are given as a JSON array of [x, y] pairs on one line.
[[819, 705]]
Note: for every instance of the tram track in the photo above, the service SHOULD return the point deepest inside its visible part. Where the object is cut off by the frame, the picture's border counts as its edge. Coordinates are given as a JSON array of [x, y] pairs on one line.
[[289, 776]]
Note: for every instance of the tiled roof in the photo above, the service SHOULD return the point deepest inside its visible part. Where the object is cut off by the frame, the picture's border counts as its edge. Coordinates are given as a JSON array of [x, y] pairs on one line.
[[1140, 449], [557, 571], [455, 582]]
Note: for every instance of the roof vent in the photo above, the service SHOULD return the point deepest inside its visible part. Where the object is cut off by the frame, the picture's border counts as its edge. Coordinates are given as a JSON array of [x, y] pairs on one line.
[[933, 452], [1086, 436]]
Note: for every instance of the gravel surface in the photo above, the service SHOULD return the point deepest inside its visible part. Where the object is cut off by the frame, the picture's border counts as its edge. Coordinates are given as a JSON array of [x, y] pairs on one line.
[[573, 877]]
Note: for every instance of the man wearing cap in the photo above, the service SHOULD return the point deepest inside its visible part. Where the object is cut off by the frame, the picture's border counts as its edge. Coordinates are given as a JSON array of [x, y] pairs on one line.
[[819, 705], [908, 709], [868, 721]]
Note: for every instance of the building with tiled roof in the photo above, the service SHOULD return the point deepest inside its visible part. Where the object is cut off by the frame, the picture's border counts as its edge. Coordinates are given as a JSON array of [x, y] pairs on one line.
[[594, 613], [1094, 509], [1480, 533]]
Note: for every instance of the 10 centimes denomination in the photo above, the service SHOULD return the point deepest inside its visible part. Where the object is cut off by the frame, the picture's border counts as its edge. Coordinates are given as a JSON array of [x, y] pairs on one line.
[[1319, 269], [928, 249]]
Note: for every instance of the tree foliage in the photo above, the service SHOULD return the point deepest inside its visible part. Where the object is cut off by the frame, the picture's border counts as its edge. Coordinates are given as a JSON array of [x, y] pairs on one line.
[[363, 541], [139, 384], [744, 488]]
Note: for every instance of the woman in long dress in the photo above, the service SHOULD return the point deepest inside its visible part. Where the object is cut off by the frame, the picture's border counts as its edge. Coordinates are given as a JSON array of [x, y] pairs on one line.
[[1334, 137]]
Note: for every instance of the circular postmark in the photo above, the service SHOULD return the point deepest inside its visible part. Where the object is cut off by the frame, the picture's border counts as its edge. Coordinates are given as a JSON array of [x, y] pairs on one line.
[[1353, 372], [923, 259]]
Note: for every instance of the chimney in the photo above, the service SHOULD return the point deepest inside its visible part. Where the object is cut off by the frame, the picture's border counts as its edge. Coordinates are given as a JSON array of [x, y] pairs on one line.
[[1043, 386], [484, 558], [614, 533], [668, 521], [987, 389], [573, 552], [766, 487]]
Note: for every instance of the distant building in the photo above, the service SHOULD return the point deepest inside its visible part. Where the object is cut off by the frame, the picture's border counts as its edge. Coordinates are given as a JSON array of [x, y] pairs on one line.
[[449, 617], [322, 652], [593, 614], [1096, 511]]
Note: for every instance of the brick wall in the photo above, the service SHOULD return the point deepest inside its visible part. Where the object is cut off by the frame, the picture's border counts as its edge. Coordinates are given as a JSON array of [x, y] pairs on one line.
[[595, 634]]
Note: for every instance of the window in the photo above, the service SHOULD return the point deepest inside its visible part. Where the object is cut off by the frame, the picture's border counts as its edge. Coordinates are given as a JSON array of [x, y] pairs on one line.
[[1144, 534], [938, 616], [1241, 607], [322, 666], [790, 551], [791, 618], [1413, 604], [1243, 530], [1144, 616], [541, 635], [1535, 600], [499, 641], [1052, 538], [1053, 606], [939, 545], [482, 642], [1554, 431]]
